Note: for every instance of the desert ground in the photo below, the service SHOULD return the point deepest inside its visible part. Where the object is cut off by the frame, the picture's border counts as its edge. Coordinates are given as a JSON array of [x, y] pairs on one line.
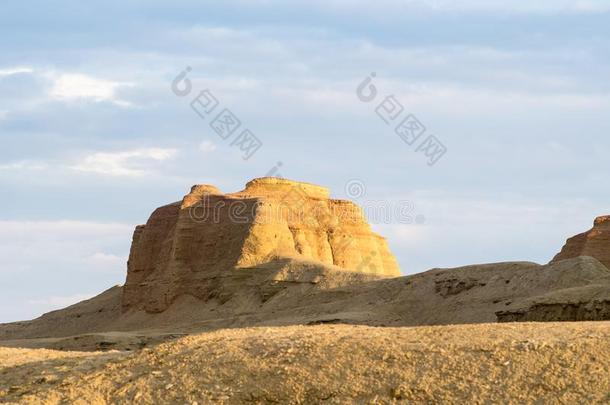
[[282, 310], [336, 364]]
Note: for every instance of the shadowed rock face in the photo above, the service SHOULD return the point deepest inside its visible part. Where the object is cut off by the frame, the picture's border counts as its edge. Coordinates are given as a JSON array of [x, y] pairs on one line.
[[187, 247], [594, 243], [598, 310]]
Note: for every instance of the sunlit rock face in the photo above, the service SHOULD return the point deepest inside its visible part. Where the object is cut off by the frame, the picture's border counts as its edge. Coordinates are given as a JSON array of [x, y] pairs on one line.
[[186, 247], [595, 243]]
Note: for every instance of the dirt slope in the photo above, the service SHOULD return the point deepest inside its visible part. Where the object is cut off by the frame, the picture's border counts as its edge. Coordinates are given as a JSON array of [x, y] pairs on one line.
[[292, 292], [488, 363]]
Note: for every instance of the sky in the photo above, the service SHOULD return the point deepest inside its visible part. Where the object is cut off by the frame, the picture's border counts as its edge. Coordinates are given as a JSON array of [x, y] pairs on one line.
[[94, 137]]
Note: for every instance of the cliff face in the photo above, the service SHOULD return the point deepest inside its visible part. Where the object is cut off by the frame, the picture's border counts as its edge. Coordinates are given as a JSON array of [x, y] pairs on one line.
[[594, 243], [188, 246]]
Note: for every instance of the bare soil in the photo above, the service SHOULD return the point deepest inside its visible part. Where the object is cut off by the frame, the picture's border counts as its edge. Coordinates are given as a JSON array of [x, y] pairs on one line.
[[516, 363]]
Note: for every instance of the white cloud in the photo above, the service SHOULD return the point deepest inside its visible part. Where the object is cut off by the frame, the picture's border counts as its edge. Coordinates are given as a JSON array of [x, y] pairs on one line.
[[467, 230], [532, 6], [126, 163], [39, 246], [207, 146], [75, 86], [9, 229], [47, 265], [15, 70], [107, 258], [406, 234], [391, 8], [23, 165], [491, 79]]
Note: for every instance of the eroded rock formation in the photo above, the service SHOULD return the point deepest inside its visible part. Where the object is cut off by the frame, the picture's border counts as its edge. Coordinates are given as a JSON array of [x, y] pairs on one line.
[[595, 243], [186, 248]]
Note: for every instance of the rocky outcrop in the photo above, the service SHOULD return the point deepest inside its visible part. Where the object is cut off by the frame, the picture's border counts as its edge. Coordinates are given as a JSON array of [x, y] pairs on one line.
[[594, 243], [560, 312], [588, 303], [283, 253], [186, 248], [298, 291]]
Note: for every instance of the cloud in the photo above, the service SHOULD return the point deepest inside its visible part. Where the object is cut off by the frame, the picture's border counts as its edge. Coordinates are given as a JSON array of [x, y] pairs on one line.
[[106, 258], [127, 163], [76, 86], [483, 229], [505, 92], [207, 146], [46, 265], [107, 262], [307, 70], [23, 165], [393, 7], [535, 6], [14, 71]]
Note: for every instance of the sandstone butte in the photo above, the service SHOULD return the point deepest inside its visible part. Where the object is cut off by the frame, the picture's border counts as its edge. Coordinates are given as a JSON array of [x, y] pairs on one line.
[[185, 247], [595, 243]]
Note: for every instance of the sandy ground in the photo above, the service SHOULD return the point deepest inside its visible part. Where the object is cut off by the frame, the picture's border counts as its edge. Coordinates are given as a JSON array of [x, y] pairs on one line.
[[499, 363]]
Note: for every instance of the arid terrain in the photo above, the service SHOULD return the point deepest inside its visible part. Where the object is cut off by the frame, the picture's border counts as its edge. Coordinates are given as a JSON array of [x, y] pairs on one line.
[[296, 300], [341, 364]]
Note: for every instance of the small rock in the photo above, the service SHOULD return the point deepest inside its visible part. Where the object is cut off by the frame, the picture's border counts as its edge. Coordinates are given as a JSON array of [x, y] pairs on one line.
[[397, 393]]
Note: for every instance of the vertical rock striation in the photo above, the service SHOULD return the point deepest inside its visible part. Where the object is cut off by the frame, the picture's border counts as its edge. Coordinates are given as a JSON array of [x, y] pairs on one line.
[[595, 243], [186, 247]]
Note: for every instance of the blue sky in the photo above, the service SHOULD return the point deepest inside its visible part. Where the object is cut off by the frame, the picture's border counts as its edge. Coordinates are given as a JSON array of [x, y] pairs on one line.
[[93, 139]]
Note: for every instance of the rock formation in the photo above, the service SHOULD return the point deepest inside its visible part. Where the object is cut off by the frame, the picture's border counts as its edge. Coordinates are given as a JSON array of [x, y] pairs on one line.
[[283, 253], [594, 243], [590, 302], [187, 247]]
